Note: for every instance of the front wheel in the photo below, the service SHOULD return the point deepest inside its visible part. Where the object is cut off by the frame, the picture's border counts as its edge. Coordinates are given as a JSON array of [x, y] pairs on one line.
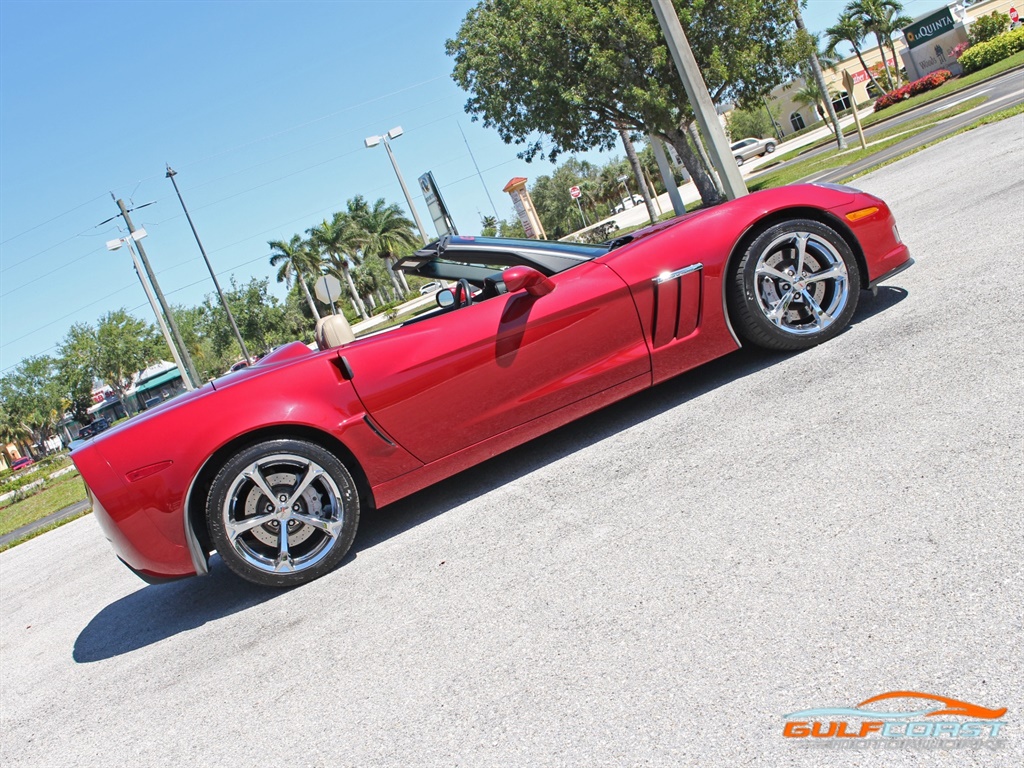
[[796, 286], [283, 512]]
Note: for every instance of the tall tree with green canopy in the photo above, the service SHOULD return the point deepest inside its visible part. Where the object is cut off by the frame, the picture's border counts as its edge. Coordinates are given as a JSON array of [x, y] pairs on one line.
[[340, 240], [572, 72], [76, 369], [125, 345], [296, 259], [386, 233], [32, 399], [849, 29], [882, 18]]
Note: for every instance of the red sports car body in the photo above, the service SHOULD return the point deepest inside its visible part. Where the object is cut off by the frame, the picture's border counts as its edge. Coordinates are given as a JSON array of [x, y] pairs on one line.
[[270, 466]]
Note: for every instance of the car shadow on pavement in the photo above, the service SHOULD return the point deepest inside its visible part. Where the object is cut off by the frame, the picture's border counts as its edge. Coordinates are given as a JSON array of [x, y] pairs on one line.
[[158, 612], [380, 525]]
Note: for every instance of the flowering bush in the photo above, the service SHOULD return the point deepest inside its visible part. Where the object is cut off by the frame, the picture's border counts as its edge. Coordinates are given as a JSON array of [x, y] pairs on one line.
[[926, 83], [958, 50], [998, 48]]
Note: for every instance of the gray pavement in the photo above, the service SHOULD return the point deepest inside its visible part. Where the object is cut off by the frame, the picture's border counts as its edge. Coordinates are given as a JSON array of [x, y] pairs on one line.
[[656, 584]]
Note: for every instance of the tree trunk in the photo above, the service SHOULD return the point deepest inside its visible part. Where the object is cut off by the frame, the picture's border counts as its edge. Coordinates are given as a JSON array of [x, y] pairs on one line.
[[356, 301], [885, 63], [867, 71], [709, 193], [819, 78], [305, 290], [638, 172], [702, 155]]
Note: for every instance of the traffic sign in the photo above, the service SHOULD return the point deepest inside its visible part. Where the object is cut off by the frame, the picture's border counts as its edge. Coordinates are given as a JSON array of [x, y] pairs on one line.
[[327, 289], [1014, 16], [575, 192]]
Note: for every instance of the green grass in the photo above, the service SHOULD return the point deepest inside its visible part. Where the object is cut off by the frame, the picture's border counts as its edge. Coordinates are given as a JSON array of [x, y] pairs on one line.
[[995, 117], [58, 494], [835, 159], [948, 87]]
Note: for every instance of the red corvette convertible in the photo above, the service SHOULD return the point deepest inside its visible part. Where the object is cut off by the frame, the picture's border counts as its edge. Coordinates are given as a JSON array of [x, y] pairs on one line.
[[271, 466]]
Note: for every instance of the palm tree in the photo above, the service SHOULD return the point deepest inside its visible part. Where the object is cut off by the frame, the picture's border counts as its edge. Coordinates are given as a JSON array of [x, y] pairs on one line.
[[819, 77], [340, 239], [296, 259], [879, 17], [850, 30], [386, 231], [810, 96]]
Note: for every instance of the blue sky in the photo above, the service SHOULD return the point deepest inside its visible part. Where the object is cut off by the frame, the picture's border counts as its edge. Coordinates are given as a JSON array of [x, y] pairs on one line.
[[261, 107]]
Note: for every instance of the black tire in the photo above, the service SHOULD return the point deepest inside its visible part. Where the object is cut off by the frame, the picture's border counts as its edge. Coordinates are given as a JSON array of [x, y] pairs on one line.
[[770, 148], [739, 160], [313, 500], [772, 308]]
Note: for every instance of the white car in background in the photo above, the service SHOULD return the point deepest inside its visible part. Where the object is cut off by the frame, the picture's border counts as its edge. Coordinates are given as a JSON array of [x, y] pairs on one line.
[[431, 288], [744, 149]]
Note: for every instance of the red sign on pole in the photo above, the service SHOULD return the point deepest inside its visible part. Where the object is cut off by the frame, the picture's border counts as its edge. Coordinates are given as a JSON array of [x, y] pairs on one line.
[[575, 192], [1014, 16]]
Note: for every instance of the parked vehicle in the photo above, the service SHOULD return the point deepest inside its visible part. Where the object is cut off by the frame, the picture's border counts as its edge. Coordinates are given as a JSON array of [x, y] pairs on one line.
[[744, 149], [89, 430], [273, 465], [431, 288], [23, 463]]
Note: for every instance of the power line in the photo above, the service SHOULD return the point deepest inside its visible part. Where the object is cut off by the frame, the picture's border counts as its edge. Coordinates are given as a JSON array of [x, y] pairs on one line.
[[44, 223]]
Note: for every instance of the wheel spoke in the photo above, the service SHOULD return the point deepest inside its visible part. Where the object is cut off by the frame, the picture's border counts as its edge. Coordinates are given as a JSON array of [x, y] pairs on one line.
[[801, 250], [253, 473], [765, 270], [312, 472], [822, 318], [284, 557], [837, 272], [237, 528], [780, 308], [330, 527]]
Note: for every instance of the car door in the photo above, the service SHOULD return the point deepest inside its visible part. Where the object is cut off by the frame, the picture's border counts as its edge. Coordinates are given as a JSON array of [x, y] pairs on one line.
[[444, 383]]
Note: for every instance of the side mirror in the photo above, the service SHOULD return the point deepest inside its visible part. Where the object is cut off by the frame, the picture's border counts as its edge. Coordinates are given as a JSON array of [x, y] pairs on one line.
[[445, 298], [519, 278]]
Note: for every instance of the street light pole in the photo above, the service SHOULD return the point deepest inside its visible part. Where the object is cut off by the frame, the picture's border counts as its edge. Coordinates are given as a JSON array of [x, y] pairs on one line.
[[171, 173], [190, 370], [394, 133], [113, 245], [700, 99]]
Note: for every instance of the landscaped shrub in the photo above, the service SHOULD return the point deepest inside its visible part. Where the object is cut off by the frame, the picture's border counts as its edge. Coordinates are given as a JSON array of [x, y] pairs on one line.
[[998, 48], [988, 27], [926, 83]]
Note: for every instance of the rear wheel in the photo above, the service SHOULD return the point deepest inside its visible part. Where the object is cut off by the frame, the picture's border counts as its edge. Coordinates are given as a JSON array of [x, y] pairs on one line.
[[739, 160], [283, 512], [796, 286]]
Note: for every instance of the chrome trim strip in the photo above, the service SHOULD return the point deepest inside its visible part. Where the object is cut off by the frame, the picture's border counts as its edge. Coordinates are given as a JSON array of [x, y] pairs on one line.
[[195, 551], [665, 277]]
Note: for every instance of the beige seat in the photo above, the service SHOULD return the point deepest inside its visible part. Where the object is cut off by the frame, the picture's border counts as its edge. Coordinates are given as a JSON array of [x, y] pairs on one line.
[[333, 331]]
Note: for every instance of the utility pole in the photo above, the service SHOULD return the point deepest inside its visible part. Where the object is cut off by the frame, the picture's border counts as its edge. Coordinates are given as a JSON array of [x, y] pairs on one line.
[[700, 99], [190, 369], [171, 173]]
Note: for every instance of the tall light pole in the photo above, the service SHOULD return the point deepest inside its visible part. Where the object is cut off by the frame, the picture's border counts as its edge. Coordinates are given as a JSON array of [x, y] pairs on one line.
[[113, 245], [700, 99], [394, 133], [171, 173], [190, 369]]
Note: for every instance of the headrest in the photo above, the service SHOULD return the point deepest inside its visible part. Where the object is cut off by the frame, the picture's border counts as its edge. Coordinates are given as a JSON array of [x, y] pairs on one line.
[[333, 331]]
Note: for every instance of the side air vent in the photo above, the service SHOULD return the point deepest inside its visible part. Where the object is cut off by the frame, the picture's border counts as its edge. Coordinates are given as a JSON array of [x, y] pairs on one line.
[[676, 304]]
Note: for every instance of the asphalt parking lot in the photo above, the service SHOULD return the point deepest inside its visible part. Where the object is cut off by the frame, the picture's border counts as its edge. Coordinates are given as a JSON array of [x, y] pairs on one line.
[[657, 584]]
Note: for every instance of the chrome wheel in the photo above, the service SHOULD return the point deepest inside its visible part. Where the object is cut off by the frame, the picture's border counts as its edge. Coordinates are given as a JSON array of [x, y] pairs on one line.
[[796, 285], [802, 283], [283, 512]]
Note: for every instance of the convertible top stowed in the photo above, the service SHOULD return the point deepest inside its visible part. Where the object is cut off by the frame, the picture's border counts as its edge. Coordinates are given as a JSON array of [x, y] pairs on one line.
[[456, 256]]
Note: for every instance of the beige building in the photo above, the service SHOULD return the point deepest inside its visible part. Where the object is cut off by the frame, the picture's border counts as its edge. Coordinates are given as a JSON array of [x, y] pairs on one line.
[[934, 35]]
